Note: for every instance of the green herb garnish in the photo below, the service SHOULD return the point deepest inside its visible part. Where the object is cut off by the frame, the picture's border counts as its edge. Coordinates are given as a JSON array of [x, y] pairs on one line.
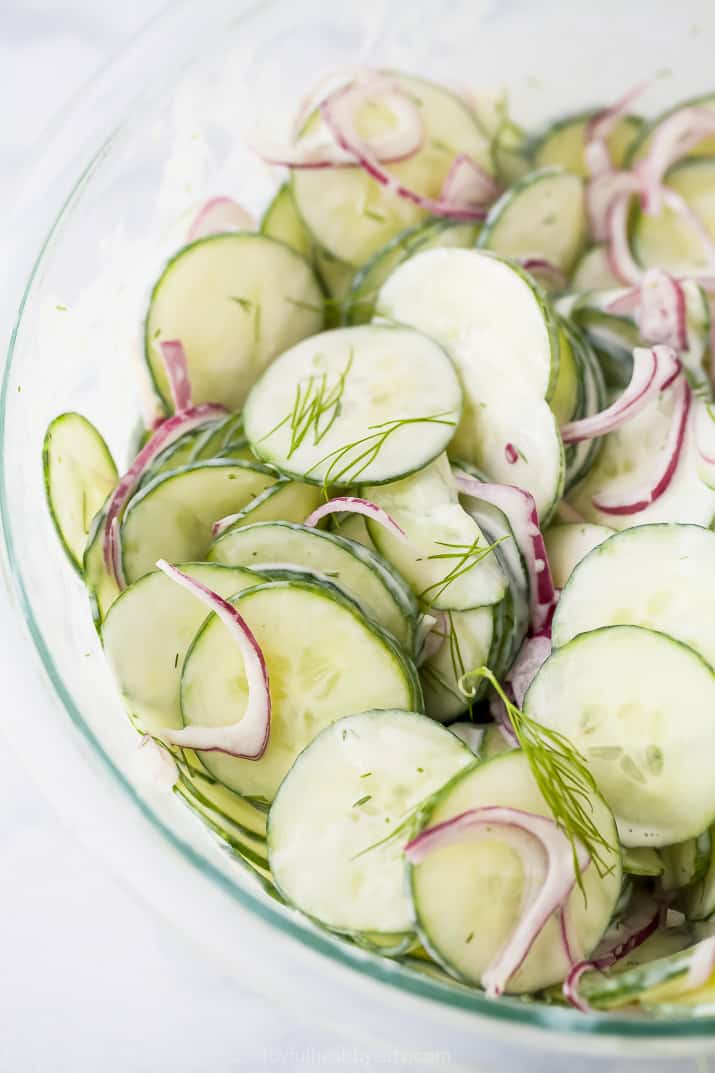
[[466, 555], [315, 408], [245, 303], [362, 800], [561, 774]]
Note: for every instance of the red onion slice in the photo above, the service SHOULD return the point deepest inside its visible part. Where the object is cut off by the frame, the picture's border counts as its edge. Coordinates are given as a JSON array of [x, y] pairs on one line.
[[653, 370], [636, 934], [547, 274], [354, 505], [467, 184], [543, 838], [673, 139], [601, 192], [177, 372], [153, 766], [532, 654], [338, 112], [431, 643], [520, 509], [638, 499], [663, 311], [620, 258], [399, 143], [598, 128], [219, 215], [511, 454], [248, 737], [167, 432]]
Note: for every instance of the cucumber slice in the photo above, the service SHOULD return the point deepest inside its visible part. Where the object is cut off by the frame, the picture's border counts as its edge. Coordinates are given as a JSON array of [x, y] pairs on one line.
[[242, 814], [641, 146], [282, 222], [568, 544], [284, 501], [495, 743], [593, 272], [444, 558], [324, 660], [353, 527], [698, 903], [649, 984], [685, 863], [79, 475], [627, 460], [354, 784], [472, 639], [371, 403], [235, 301], [658, 576], [359, 573], [504, 341], [102, 589], [468, 897], [612, 336], [642, 861], [217, 437], [565, 141], [368, 281], [147, 633], [250, 849], [670, 240], [567, 399], [336, 276], [349, 214], [638, 706], [543, 216], [171, 517]]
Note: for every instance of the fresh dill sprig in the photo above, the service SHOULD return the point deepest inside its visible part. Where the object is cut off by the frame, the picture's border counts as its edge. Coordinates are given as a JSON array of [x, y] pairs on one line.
[[467, 556], [316, 406], [245, 303], [561, 774], [343, 467]]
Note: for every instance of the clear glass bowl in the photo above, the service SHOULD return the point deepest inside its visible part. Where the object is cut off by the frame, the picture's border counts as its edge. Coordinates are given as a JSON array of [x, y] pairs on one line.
[[105, 202]]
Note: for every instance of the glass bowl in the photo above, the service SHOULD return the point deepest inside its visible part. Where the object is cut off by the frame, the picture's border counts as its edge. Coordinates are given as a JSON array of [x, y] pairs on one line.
[[105, 202]]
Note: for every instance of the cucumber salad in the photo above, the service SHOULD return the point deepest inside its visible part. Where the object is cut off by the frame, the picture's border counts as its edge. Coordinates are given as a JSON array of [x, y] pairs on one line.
[[408, 586]]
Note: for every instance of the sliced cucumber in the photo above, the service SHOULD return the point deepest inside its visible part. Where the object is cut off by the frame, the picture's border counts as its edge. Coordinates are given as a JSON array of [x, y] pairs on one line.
[[627, 460], [368, 281], [353, 527], [218, 437], [147, 633], [444, 557], [471, 639], [612, 336], [670, 240], [568, 544], [324, 660], [649, 984], [235, 301], [282, 222], [371, 403], [354, 784], [79, 475], [337, 279], [642, 861], [252, 850], [593, 272], [284, 501], [102, 589], [641, 146], [698, 903], [171, 517], [659, 576], [244, 815], [349, 213], [361, 574], [685, 863], [638, 706], [505, 343], [541, 216], [468, 897], [565, 141]]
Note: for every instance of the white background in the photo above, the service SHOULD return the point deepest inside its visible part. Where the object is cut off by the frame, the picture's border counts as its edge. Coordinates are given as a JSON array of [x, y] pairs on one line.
[[92, 981]]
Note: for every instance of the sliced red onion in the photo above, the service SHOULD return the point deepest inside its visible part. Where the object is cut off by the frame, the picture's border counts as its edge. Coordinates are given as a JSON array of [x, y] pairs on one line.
[[219, 215], [662, 317], [520, 509], [626, 303], [620, 258], [153, 766], [607, 955], [673, 139], [177, 371], [467, 184], [549, 275], [598, 128], [338, 112], [167, 432], [638, 499], [400, 143], [702, 964], [354, 505], [601, 192], [511, 454], [543, 838], [248, 737], [654, 369], [532, 654]]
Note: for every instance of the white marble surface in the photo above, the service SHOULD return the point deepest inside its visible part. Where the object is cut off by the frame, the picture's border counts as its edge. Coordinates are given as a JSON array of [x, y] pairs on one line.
[[91, 980]]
